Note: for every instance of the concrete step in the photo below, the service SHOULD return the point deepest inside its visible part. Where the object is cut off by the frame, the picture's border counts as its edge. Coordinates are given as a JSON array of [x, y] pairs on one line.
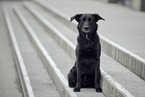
[[121, 74], [35, 77], [9, 81], [128, 59], [58, 79], [22, 72]]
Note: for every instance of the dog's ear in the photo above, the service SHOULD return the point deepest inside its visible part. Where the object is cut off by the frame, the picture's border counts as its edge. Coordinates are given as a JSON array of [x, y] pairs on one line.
[[98, 17], [76, 17]]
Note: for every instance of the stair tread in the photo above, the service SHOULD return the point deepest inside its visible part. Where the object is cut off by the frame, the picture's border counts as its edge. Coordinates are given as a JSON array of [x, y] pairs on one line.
[[121, 74], [39, 78]]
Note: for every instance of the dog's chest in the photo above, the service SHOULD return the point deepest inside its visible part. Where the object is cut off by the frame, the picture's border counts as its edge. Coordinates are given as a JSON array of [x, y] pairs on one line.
[[87, 49]]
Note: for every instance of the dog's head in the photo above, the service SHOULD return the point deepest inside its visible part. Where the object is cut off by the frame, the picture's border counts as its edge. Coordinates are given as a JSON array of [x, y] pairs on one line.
[[87, 23]]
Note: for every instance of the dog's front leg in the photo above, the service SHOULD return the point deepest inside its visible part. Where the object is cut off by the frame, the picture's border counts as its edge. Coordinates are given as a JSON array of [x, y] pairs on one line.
[[97, 77], [79, 73]]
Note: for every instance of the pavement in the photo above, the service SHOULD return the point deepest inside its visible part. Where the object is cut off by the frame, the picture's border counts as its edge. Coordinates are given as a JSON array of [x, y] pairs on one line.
[[123, 26]]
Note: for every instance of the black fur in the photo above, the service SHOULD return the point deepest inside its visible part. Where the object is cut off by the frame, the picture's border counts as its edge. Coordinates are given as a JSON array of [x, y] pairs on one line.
[[86, 71]]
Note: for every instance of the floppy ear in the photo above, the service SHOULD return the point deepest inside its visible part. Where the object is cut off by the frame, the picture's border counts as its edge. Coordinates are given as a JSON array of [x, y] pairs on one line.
[[98, 17], [76, 17]]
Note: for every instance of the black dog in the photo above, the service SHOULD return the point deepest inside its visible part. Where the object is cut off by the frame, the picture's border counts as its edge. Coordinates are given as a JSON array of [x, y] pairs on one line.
[[86, 71]]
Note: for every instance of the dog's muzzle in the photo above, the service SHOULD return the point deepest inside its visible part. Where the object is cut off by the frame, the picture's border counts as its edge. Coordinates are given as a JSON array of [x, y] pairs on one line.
[[86, 29]]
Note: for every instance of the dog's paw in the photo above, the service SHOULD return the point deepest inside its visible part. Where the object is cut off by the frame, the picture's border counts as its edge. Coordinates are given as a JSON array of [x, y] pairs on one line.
[[76, 89], [98, 90]]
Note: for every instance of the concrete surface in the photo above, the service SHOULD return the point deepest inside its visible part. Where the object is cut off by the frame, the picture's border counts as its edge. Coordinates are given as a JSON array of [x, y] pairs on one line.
[[56, 76], [39, 78], [9, 81]]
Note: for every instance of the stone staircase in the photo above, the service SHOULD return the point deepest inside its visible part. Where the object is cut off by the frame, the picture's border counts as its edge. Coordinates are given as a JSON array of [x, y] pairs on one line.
[[43, 43]]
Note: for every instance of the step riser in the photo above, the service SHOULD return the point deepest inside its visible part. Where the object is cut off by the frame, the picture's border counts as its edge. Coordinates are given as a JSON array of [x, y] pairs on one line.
[[110, 87], [133, 62], [55, 74]]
